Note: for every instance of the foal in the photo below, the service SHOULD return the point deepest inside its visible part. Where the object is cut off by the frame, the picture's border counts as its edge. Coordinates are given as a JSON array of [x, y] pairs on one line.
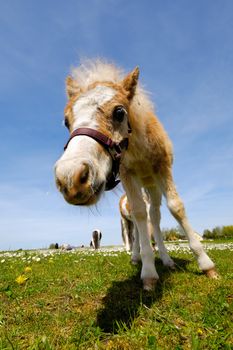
[[113, 127]]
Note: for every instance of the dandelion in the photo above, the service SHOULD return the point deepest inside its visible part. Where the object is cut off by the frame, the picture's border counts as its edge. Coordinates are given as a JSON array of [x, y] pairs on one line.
[[36, 258], [199, 331], [27, 269], [44, 339], [110, 344], [21, 279]]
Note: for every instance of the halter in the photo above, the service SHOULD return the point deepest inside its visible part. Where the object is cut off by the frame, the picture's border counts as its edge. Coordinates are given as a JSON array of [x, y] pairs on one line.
[[114, 148]]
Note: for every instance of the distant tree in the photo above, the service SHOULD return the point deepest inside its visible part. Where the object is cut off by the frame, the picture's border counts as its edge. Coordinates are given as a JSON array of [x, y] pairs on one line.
[[219, 232], [53, 246], [227, 231], [180, 232], [173, 234], [207, 234]]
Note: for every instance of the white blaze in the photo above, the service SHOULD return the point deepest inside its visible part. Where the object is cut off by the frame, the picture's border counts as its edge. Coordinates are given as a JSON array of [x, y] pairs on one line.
[[83, 148], [84, 111], [86, 106]]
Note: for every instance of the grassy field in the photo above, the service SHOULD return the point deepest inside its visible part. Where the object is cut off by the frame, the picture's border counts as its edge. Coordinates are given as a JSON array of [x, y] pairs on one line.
[[94, 300]]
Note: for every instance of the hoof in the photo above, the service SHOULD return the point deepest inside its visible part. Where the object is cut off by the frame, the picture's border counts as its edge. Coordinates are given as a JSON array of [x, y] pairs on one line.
[[170, 264], [134, 262], [212, 273], [172, 267], [149, 284], [135, 259], [167, 261]]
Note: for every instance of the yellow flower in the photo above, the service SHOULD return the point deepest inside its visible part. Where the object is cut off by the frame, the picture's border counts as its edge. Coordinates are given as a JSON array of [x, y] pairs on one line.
[[27, 269], [21, 279], [199, 331], [109, 345]]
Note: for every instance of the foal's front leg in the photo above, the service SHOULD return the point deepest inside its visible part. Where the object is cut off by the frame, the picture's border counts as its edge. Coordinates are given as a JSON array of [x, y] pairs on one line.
[[149, 274]]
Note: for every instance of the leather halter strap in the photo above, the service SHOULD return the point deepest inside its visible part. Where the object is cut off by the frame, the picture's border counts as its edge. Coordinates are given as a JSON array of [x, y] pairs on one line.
[[114, 148]]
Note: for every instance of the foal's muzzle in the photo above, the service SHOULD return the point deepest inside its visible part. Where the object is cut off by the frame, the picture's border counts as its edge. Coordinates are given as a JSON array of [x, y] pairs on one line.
[[78, 188], [115, 150]]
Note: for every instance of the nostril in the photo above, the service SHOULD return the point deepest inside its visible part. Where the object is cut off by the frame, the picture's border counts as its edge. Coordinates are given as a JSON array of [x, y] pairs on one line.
[[78, 195], [84, 174], [61, 187]]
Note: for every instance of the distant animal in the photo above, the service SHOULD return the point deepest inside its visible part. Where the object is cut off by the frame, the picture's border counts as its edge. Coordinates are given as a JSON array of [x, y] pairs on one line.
[[114, 131], [66, 246], [96, 238]]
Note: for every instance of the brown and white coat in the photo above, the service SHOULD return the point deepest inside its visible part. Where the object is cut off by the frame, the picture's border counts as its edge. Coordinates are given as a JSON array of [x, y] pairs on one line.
[[96, 91]]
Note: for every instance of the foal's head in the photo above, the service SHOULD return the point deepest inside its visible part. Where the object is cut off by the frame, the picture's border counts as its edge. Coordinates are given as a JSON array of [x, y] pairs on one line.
[[82, 171]]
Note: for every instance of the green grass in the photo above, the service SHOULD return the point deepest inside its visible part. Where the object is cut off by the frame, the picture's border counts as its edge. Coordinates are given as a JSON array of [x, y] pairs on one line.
[[95, 301]]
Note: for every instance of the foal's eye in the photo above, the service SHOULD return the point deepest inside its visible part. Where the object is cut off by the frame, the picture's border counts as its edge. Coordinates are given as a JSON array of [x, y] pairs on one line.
[[119, 113]]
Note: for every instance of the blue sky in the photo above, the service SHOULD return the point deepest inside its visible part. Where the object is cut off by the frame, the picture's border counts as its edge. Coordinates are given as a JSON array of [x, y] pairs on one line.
[[185, 53]]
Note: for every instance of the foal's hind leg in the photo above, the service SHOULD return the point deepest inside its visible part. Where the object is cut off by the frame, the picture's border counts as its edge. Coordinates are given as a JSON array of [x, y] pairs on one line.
[[154, 213], [136, 257], [125, 230], [177, 209]]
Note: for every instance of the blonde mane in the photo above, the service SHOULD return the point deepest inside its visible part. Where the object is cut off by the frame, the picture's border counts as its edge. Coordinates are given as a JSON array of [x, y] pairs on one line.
[[90, 71]]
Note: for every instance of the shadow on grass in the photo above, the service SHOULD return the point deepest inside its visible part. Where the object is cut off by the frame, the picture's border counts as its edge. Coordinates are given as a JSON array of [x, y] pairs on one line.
[[124, 298]]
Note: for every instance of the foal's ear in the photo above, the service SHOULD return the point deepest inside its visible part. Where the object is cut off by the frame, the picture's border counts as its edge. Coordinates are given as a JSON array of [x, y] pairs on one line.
[[130, 82], [72, 87]]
